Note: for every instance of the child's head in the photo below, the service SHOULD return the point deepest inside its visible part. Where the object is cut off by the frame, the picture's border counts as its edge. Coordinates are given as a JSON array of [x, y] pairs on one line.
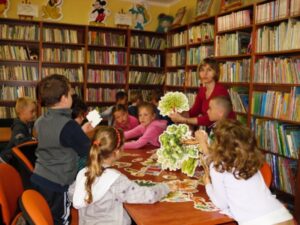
[[79, 109], [155, 96], [107, 144], [235, 150], [208, 69], [219, 108], [121, 98], [146, 113], [26, 109], [55, 91], [136, 97], [120, 114]]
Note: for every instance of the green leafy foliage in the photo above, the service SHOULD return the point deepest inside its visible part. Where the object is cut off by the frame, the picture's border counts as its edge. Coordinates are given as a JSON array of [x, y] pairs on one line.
[[173, 154], [173, 102]]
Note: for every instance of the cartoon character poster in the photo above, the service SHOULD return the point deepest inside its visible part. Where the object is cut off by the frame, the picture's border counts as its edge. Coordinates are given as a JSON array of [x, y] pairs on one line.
[[52, 10], [140, 15], [99, 12], [4, 6]]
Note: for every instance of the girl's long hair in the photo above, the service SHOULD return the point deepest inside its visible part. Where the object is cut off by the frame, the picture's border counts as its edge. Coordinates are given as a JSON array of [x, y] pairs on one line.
[[235, 150], [106, 140]]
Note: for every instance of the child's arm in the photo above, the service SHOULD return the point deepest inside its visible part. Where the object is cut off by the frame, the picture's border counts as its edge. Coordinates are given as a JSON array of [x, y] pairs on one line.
[[135, 132], [20, 134], [202, 138], [216, 189], [130, 192], [149, 134]]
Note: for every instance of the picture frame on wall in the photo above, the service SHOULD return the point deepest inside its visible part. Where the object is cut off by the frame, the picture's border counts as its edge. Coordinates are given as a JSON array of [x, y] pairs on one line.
[[179, 16], [202, 8], [229, 4]]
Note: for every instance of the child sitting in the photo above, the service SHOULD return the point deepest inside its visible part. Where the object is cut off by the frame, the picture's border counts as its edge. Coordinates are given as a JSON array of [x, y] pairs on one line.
[[149, 129], [122, 119], [136, 98], [21, 127], [233, 180], [100, 191], [79, 109]]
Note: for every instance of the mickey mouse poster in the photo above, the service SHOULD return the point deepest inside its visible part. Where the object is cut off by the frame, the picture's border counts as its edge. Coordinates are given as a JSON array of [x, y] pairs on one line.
[[99, 12]]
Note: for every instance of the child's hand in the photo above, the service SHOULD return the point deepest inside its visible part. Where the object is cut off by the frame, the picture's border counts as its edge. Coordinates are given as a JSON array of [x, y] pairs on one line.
[[206, 178], [87, 127], [202, 138]]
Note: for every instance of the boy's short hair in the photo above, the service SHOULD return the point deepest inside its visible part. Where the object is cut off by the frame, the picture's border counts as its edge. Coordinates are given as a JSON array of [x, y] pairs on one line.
[[136, 95], [79, 108], [224, 102], [121, 95], [22, 103], [52, 88], [213, 64]]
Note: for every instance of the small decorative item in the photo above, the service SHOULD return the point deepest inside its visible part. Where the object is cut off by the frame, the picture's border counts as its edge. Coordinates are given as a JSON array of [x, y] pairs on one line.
[[99, 13], [140, 15], [179, 16], [26, 10], [202, 8], [164, 23], [123, 20], [52, 10], [4, 6], [229, 4]]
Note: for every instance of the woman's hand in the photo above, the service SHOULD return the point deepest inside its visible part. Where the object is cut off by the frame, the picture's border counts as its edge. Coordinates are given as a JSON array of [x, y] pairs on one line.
[[177, 118]]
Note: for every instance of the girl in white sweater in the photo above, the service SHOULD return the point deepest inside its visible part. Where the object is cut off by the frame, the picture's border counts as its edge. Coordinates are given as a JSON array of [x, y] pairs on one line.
[[233, 180]]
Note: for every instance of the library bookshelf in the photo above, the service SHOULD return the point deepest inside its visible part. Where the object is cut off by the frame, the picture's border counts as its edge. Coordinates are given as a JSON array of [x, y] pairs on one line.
[[257, 47]]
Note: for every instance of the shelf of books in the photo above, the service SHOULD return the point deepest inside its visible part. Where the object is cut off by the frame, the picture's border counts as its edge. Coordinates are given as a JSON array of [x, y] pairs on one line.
[[275, 96], [19, 70]]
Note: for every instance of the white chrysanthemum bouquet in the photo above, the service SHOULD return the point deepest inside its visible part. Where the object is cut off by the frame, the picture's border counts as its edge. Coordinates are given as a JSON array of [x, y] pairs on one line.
[[173, 102]]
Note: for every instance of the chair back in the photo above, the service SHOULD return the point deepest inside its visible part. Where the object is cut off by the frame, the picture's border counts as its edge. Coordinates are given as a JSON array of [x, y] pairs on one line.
[[11, 189], [266, 172], [35, 208], [25, 160]]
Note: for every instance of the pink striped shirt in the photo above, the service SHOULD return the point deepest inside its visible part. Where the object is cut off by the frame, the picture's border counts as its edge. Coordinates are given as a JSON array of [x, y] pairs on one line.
[[147, 135]]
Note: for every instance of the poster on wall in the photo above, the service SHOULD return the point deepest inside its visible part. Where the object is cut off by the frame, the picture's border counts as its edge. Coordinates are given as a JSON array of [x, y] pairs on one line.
[[99, 13], [140, 15], [4, 7], [51, 10]]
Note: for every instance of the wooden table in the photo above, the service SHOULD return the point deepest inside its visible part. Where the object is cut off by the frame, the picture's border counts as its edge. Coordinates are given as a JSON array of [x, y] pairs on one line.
[[169, 213]]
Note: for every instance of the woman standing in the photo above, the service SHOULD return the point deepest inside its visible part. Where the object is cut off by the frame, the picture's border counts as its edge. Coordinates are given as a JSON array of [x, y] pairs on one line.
[[209, 73]]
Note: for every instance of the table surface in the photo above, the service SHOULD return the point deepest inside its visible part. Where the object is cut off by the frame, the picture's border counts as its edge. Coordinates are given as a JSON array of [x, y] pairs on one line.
[[168, 213]]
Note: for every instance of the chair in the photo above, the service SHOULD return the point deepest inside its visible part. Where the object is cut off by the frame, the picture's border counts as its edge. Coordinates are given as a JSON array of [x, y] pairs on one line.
[[25, 160], [266, 172], [11, 189], [35, 208]]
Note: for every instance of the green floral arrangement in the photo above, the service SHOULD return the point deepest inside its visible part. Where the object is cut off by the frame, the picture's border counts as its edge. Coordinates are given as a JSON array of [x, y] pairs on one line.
[[173, 102], [173, 154]]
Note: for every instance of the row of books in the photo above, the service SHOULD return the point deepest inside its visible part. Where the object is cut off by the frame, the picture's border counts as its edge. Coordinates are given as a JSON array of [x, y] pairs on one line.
[[284, 172], [73, 74], [281, 105], [202, 32], [138, 77], [7, 112], [107, 57], [147, 42], [63, 55], [272, 10], [11, 93], [279, 70], [235, 71], [106, 39], [240, 99], [19, 72], [233, 44], [295, 8], [277, 137], [196, 55], [19, 32], [101, 94], [234, 20], [13, 52], [106, 76], [175, 78], [192, 79], [151, 60], [60, 35], [177, 39], [176, 58], [285, 36]]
